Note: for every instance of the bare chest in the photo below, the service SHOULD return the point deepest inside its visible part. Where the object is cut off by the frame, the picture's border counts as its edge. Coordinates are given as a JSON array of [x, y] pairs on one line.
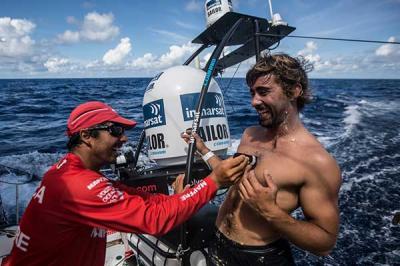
[[286, 165], [240, 222]]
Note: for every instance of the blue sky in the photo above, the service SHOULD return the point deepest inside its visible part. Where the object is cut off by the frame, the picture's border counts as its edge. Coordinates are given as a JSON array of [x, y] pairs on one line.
[[121, 38]]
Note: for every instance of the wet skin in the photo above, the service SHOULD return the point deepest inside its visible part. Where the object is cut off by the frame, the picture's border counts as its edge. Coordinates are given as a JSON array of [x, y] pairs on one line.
[[304, 174]]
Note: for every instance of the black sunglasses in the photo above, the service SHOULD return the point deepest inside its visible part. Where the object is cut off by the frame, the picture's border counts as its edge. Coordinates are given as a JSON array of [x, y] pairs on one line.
[[114, 130]]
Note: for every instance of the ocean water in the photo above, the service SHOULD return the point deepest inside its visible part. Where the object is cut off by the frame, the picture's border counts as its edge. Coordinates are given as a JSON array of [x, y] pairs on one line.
[[356, 120]]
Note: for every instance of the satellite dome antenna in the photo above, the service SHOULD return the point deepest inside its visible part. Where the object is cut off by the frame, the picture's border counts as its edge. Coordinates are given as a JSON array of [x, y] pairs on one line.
[[276, 18]]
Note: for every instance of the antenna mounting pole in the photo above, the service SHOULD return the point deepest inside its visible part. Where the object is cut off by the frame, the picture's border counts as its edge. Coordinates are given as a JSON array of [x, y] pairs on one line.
[[270, 10]]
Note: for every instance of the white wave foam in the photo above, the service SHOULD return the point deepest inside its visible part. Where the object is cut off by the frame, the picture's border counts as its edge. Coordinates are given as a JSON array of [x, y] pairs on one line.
[[310, 121], [331, 105], [353, 117], [380, 107], [348, 183], [34, 162], [327, 141], [392, 256], [354, 112]]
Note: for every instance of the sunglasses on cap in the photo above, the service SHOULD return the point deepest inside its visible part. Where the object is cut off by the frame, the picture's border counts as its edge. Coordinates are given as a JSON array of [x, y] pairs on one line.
[[114, 130]]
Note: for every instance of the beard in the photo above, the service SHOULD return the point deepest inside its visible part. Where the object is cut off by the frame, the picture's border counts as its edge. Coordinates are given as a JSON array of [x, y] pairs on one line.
[[269, 117]]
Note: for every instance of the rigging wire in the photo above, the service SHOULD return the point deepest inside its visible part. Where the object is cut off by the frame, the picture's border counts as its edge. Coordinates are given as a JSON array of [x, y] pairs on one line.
[[326, 38], [227, 87]]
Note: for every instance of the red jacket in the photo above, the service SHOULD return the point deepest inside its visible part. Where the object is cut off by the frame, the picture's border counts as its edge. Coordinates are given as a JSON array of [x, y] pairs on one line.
[[66, 220]]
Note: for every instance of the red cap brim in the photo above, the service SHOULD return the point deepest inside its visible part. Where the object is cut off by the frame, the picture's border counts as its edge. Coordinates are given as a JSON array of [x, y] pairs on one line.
[[123, 121]]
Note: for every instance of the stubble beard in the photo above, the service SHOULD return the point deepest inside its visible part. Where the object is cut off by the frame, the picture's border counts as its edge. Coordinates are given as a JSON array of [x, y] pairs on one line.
[[275, 119]]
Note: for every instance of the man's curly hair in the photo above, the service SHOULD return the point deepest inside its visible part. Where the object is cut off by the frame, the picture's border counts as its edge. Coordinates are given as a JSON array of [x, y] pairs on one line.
[[288, 72]]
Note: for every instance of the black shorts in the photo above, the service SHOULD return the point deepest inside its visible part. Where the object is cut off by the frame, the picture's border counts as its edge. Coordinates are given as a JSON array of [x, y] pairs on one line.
[[223, 251]]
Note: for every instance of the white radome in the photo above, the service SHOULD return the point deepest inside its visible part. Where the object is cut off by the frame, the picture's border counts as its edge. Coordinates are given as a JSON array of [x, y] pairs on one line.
[[169, 105]]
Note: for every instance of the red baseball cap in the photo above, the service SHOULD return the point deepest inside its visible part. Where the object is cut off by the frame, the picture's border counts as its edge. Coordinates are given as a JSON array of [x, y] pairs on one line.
[[90, 114]]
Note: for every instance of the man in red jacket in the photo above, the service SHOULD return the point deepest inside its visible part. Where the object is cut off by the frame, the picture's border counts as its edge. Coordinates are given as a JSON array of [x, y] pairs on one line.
[[66, 220]]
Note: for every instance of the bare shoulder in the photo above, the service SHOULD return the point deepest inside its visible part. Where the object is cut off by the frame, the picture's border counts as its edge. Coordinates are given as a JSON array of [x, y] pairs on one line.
[[323, 165], [253, 133]]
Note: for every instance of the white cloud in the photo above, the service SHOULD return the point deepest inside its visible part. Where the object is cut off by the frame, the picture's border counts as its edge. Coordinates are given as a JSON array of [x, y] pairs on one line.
[[383, 59], [93, 64], [26, 68], [148, 64], [112, 62], [95, 27], [309, 54], [313, 58], [386, 49], [56, 65], [15, 27], [147, 61], [338, 64], [116, 55], [206, 57], [194, 5], [69, 37], [15, 39], [309, 49], [175, 56], [99, 27]]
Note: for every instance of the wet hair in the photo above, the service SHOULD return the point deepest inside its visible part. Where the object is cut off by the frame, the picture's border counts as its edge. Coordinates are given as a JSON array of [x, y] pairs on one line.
[[75, 140], [288, 72]]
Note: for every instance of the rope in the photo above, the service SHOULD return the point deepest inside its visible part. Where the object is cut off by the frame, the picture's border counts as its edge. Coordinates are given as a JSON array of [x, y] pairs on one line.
[[326, 38]]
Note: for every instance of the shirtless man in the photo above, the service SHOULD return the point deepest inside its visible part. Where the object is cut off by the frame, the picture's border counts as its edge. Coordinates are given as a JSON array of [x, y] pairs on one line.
[[293, 170]]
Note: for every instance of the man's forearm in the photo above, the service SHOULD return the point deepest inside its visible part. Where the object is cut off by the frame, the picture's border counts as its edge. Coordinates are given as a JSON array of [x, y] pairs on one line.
[[213, 161], [303, 234]]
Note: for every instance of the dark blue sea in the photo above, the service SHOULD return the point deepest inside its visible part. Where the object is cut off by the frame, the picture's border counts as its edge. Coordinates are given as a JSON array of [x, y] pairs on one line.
[[356, 120]]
